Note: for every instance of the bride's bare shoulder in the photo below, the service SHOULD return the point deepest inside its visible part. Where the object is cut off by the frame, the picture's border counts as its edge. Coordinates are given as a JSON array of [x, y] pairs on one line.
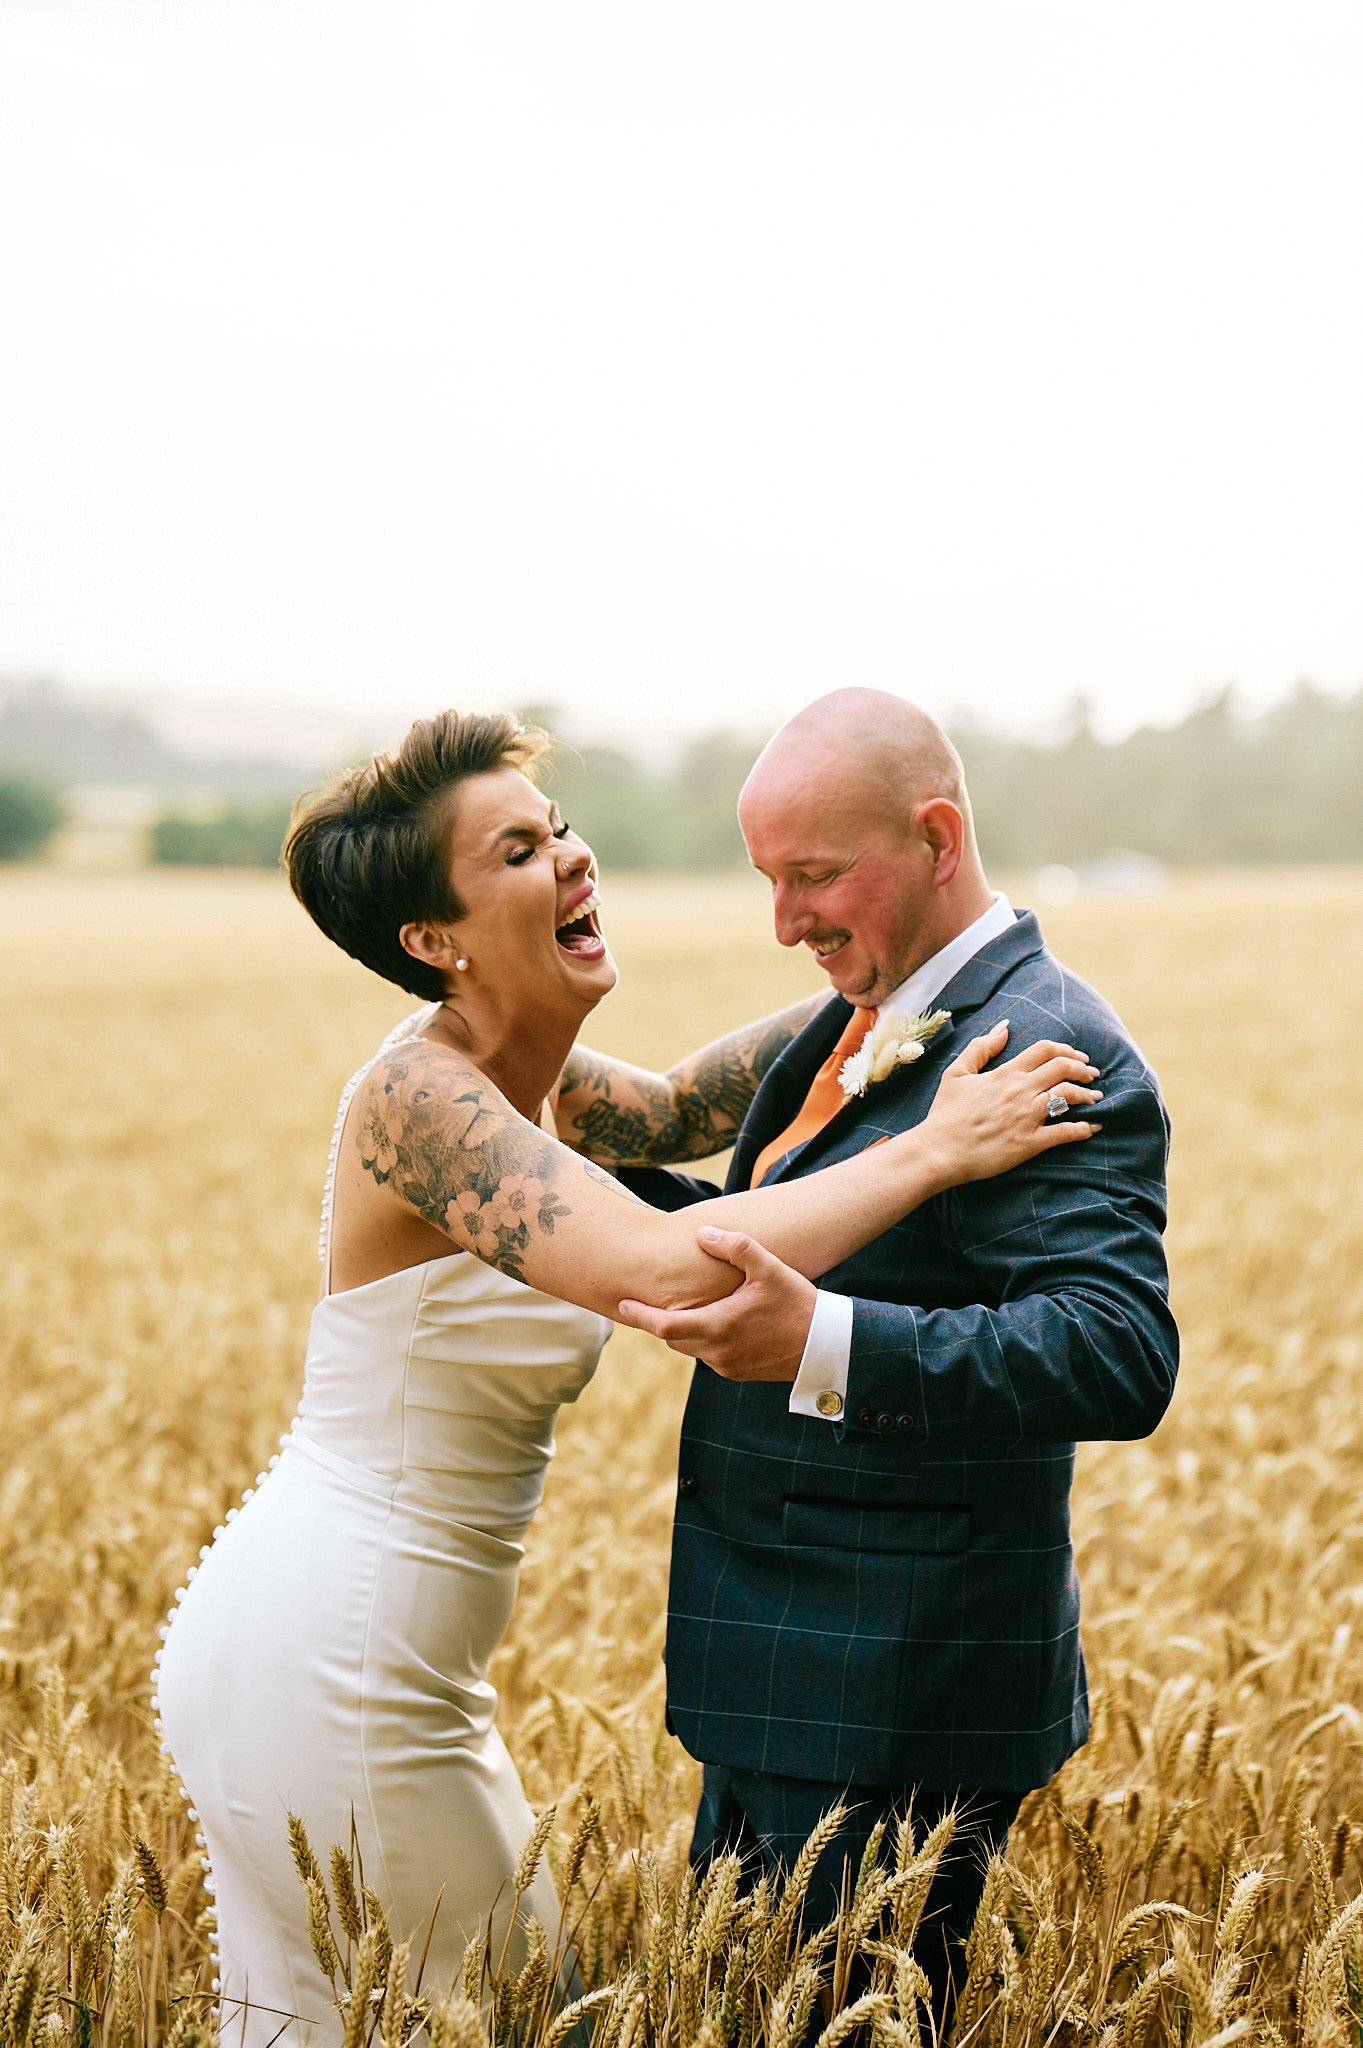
[[419, 1095], [432, 1130]]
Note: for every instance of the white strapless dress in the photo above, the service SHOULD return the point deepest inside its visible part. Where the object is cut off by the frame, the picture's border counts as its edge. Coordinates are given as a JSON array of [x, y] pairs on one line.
[[329, 1658]]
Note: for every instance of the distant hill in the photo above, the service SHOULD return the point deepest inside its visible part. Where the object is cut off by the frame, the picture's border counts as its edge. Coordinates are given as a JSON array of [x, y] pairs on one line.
[[71, 740], [1217, 787]]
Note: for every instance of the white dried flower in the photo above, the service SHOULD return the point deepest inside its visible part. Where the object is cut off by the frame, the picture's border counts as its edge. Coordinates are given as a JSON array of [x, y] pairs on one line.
[[895, 1040], [855, 1071]]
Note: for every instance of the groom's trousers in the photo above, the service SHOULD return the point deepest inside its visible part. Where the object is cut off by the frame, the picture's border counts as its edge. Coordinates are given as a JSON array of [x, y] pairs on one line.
[[767, 1820]]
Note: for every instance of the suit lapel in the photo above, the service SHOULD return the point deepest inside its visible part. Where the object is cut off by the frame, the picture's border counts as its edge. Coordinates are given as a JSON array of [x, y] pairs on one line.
[[785, 1087], [969, 989], [972, 985]]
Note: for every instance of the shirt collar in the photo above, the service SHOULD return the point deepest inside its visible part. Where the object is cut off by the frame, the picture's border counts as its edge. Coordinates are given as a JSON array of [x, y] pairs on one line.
[[914, 996]]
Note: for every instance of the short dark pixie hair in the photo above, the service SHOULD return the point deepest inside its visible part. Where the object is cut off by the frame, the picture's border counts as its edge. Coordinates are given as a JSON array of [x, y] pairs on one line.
[[369, 851]]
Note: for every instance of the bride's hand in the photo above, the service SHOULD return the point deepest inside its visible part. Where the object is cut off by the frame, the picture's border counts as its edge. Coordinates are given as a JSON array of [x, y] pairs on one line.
[[982, 1124]]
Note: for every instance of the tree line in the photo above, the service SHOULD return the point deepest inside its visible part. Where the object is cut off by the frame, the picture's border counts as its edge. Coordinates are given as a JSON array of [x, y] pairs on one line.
[[1217, 787]]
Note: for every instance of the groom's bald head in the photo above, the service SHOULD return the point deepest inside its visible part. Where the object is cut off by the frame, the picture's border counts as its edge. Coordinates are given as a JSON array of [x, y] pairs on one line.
[[897, 754], [856, 811]]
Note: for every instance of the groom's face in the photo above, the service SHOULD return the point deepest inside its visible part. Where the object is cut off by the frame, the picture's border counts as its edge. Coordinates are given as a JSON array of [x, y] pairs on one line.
[[855, 888]]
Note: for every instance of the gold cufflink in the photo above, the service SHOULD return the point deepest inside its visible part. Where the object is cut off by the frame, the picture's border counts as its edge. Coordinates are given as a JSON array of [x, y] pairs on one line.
[[828, 1403]]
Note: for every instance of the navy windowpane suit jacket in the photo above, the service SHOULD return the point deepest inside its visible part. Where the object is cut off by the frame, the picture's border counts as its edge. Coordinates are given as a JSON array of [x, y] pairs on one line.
[[891, 1599]]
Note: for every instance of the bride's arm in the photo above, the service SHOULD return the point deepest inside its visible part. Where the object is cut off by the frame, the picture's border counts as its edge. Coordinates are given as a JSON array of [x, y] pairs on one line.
[[627, 1116], [437, 1132]]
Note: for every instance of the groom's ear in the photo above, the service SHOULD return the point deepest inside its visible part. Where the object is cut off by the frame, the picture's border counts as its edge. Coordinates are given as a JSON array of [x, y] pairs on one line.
[[433, 944], [940, 824]]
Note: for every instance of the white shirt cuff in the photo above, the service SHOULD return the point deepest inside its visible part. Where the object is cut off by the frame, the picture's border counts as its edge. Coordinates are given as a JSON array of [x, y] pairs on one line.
[[820, 1387]]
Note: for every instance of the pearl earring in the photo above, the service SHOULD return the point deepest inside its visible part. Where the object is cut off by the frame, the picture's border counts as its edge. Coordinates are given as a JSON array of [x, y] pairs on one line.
[[461, 963]]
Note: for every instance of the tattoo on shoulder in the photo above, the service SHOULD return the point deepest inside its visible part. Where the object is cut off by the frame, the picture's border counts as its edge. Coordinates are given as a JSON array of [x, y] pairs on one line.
[[436, 1132], [691, 1112]]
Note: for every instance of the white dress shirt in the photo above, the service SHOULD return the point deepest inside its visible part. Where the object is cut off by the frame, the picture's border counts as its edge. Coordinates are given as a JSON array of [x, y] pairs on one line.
[[828, 1347]]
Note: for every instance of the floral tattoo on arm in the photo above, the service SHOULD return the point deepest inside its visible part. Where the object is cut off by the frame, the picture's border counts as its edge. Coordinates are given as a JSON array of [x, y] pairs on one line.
[[435, 1131], [692, 1111]]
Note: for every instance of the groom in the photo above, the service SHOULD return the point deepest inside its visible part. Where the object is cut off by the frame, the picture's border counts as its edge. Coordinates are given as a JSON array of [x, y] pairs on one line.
[[873, 1596]]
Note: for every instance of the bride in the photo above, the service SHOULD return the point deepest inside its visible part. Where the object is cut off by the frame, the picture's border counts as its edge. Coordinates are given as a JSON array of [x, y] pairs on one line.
[[330, 1658]]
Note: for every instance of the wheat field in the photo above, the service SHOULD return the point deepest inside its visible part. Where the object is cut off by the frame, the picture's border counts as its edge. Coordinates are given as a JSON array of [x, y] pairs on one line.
[[173, 1047]]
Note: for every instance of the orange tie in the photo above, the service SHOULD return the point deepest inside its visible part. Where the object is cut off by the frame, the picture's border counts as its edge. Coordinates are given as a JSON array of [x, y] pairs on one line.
[[825, 1097]]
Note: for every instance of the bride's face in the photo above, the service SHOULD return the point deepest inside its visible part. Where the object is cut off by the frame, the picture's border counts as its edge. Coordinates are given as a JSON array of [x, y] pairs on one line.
[[528, 886]]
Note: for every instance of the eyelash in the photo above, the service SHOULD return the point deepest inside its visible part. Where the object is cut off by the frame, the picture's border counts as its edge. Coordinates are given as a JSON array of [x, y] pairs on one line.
[[518, 860]]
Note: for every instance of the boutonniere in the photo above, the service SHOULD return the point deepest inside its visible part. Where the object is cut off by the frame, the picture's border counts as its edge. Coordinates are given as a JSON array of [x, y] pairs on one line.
[[894, 1040]]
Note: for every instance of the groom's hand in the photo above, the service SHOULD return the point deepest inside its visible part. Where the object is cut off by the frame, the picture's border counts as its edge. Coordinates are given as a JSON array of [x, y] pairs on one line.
[[756, 1333]]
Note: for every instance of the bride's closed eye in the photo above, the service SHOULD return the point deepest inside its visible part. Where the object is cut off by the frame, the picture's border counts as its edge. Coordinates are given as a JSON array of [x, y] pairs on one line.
[[519, 859]]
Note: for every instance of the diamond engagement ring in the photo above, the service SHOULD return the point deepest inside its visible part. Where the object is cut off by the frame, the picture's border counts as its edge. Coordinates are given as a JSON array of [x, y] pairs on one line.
[[1056, 1105]]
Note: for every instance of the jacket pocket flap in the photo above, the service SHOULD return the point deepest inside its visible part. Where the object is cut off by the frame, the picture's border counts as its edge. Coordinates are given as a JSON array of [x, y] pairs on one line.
[[860, 1525]]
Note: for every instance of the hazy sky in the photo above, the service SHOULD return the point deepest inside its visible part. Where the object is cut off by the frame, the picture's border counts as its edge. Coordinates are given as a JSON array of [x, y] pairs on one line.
[[675, 363]]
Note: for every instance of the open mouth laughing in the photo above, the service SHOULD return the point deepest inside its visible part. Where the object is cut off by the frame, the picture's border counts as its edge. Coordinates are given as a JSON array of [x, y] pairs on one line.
[[580, 934]]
